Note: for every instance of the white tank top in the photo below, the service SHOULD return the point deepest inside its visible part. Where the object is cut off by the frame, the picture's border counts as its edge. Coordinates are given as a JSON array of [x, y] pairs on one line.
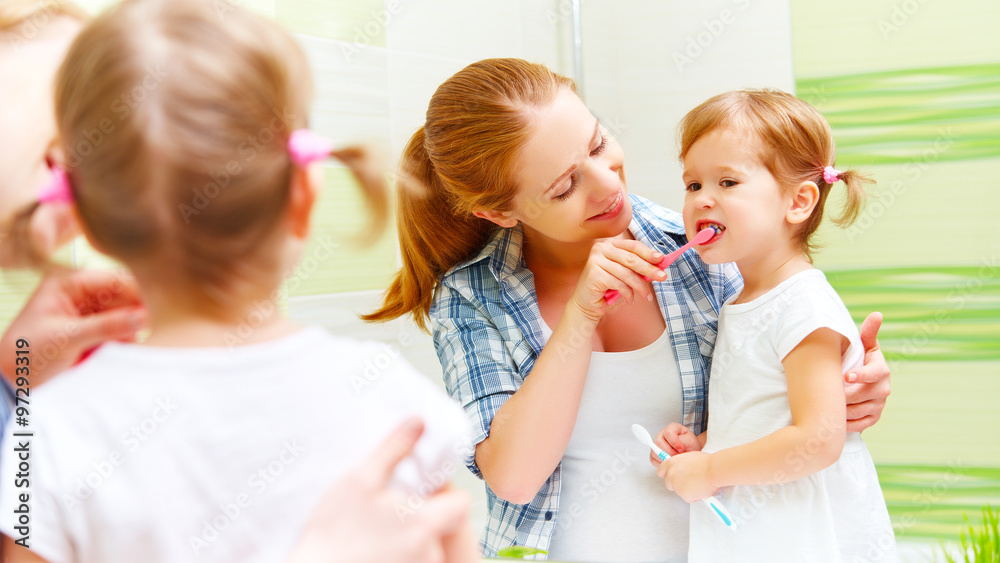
[[613, 507]]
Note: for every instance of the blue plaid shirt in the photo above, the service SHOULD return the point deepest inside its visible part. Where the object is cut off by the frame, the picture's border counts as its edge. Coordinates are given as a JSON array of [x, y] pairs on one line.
[[488, 333], [6, 407], [6, 403]]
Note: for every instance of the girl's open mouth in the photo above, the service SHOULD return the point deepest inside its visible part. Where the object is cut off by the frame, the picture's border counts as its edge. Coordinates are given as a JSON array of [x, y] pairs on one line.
[[719, 230]]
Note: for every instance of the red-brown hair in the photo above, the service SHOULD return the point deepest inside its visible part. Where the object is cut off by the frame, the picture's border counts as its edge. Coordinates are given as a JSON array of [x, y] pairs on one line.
[[461, 160], [795, 140]]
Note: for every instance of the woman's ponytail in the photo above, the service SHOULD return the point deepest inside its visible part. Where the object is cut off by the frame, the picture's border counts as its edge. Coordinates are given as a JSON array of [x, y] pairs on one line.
[[463, 160], [433, 237]]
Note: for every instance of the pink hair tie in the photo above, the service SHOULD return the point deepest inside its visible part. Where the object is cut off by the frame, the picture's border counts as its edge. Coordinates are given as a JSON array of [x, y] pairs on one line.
[[306, 147], [830, 175], [57, 189]]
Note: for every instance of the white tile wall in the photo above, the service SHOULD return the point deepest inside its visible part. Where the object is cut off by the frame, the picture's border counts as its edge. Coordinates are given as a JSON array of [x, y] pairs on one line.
[[427, 42], [351, 83], [635, 76]]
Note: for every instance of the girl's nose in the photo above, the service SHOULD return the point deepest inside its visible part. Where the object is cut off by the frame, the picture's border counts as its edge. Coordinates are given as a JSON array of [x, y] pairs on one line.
[[703, 199]]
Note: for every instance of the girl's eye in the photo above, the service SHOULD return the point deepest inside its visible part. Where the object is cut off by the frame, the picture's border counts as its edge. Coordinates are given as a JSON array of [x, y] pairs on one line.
[[728, 183], [693, 187], [568, 192], [600, 147]]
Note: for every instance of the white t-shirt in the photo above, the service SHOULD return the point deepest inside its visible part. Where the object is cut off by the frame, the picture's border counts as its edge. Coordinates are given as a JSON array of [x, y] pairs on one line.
[[610, 493], [215, 454], [835, 515]]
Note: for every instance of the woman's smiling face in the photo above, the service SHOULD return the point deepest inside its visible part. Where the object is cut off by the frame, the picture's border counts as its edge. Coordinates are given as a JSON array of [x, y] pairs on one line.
[[571, 179]]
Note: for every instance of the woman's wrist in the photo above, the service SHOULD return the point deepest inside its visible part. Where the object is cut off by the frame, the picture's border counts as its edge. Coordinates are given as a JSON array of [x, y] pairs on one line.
[[579, 322]]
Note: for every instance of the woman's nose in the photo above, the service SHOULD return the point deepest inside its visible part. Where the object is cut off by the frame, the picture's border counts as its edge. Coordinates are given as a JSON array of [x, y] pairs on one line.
[[606, 181]]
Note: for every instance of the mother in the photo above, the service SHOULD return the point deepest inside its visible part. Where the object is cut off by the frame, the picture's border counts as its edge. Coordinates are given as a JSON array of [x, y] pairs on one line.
[[525, 222]]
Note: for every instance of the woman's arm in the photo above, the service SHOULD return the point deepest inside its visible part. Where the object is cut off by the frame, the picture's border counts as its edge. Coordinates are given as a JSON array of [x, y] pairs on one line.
[[525, 424], [530, 432], [812, 442]]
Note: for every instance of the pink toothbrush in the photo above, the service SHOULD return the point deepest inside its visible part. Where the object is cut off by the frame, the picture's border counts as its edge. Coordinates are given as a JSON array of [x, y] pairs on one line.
[[702, 237]]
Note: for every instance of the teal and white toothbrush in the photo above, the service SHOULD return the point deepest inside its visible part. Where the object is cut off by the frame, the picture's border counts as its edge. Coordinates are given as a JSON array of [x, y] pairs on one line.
[[718, 509]]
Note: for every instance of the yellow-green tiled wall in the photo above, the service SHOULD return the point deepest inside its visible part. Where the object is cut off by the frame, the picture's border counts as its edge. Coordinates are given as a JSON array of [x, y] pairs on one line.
[[911, 91]]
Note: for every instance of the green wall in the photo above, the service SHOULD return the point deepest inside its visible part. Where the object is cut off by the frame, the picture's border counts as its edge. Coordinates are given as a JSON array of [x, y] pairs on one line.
[[912, 91]]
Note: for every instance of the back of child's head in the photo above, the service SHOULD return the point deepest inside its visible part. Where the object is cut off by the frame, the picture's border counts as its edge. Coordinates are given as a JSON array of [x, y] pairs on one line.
[[175, 118], [794, 140]]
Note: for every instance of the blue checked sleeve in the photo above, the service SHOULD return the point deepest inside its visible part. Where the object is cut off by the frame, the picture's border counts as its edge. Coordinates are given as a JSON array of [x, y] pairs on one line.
[[6, 402], [726, 281], [479, 371]]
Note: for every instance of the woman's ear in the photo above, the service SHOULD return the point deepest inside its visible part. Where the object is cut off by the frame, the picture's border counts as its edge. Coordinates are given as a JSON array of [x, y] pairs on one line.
[[501, 218], [803, 201], [301, 199]]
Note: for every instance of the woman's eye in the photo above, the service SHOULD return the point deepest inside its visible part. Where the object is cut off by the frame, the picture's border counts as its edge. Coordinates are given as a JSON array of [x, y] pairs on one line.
[[600, 147], [693, 187], [568, 192]]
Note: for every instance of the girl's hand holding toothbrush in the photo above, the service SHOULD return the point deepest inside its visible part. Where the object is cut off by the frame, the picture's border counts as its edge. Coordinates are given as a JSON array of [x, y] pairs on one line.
[[688, 475], [675, 439]]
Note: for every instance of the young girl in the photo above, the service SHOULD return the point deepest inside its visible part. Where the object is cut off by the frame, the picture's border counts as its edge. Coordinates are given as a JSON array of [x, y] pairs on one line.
[[215, 438], [758, 169]]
